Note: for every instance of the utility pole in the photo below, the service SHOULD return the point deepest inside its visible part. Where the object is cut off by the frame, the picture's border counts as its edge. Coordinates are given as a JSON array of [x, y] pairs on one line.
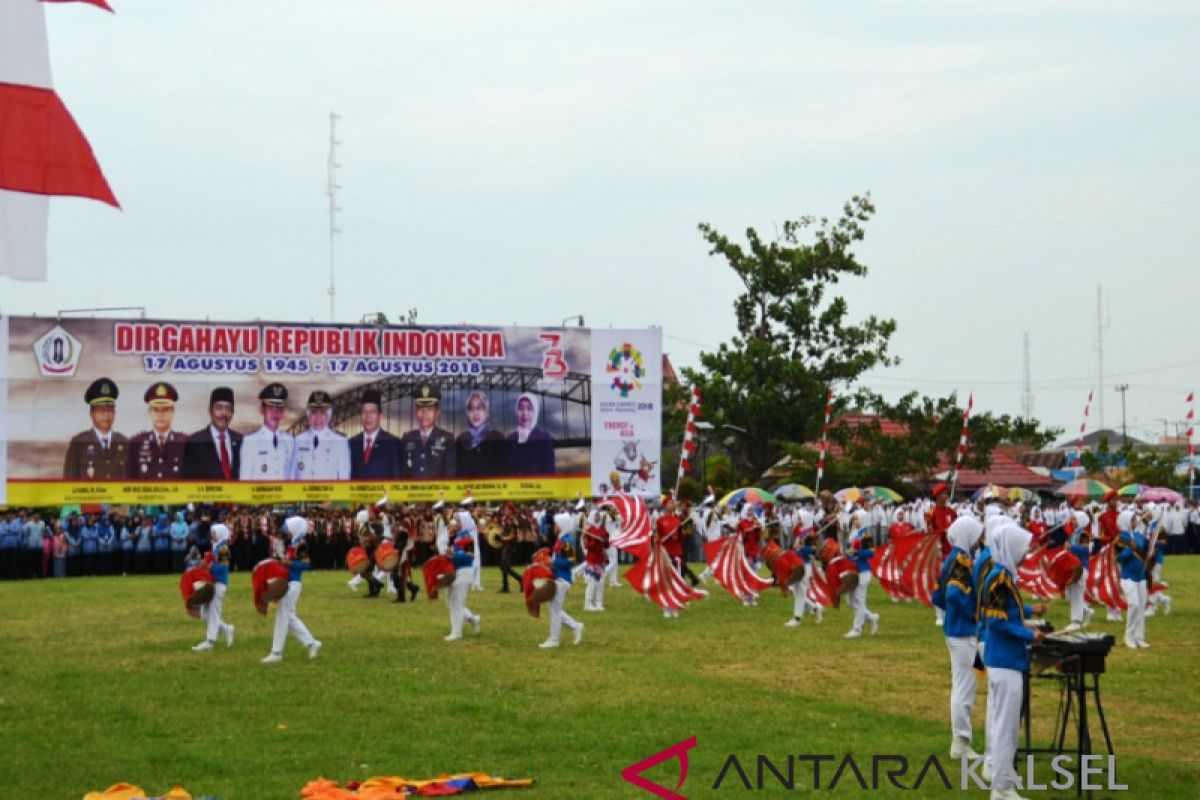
[[1027, 396], [1123, 388], [331, 190]]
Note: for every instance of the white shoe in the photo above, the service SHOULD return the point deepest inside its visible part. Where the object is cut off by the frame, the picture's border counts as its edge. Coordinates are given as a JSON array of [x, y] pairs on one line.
[[820, 614], [852, 635], [354, 583], [579, 634], [938, 622], [874, 624], [597, 608], [313, 649], [1074, 626], [273, 658], [454, 637], [1151, 611], [475, 620], [961, 748], [1131, 644], [985, 772], [794, 622], [549, 644], [229, 636], [1143, 644], [203, 646], [1088, 613], [1166, 601]]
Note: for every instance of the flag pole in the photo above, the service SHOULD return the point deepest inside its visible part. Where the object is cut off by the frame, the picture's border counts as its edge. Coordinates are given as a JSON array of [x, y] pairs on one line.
[[824, 441], [689, 439], [962, 443]]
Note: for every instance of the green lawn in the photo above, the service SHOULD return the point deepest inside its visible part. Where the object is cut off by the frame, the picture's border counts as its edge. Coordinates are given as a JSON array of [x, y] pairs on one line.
[[98, 684]]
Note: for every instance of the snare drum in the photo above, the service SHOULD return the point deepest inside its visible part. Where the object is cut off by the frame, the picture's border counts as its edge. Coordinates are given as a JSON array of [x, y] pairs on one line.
[[788, 568], [197, 587], [387, 556], [357, 561], [539, 587], [439, 574], [270, 583], [771, 554]]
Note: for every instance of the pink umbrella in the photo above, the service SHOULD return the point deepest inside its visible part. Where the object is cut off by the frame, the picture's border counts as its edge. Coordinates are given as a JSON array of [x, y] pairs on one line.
[[1160, 494]]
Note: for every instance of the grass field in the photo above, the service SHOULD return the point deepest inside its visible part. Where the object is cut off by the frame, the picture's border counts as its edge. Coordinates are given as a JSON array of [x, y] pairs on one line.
[[98, 684]]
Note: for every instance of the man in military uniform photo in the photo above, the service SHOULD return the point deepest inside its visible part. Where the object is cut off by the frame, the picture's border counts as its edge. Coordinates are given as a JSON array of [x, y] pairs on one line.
[[374, 453], [214, 453], [321, 454], [429, 450], [157, 454], [267, 453], [99, 453]]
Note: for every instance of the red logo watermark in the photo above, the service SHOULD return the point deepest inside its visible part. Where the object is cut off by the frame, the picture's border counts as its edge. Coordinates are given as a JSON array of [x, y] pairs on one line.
[[633, 773]]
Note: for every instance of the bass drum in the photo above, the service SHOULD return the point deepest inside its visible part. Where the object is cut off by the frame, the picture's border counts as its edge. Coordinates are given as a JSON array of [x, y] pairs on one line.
[[270, 583], [357, 561], [539, 587]]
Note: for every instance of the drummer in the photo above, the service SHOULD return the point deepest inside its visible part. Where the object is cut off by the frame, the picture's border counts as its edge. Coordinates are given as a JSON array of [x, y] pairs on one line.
[[466, 524], [807, 550], [562, 565], [297, 561], [211, 612], [861, 550], [461, 553]]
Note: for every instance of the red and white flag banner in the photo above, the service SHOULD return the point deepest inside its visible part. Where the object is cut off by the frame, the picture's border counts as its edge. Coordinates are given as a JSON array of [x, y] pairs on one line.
[[824, 438], [962, 437]]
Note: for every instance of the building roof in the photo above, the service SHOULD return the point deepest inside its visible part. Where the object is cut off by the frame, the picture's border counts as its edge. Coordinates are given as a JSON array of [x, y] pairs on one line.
[[1005, 471]]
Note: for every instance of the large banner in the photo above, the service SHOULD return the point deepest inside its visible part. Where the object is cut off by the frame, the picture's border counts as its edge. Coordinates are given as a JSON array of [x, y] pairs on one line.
[[137, 411]]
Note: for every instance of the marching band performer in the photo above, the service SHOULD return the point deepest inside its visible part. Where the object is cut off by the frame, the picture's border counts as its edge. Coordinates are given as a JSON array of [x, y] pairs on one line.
[[462, 555], [595, 543], [370, 534], [709, 525], [562, 565], [211, 612], [286, 620], [468, 525], [405, 542], [1005, 655], [506, 517], [1110, 531], [1075, 593], [937, 523], [806, 547], [956, 595], [441, 527], [861, 551], [1132, 556]]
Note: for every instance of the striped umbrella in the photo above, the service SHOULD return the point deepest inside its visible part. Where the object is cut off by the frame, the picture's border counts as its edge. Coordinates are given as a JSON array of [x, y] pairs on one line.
[[1132, 489], [793, 491], [749, 494], [990, 491], [884, 493], [851, 494], [1084, 487]]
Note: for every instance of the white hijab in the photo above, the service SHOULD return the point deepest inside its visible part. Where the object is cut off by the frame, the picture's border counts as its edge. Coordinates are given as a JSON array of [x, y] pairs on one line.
[[220, 534], [1008, 546], [296, 527], [964, 533], [523, 433]]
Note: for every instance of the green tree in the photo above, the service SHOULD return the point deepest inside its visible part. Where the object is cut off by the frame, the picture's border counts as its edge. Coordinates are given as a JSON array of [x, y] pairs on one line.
[[794, 340]]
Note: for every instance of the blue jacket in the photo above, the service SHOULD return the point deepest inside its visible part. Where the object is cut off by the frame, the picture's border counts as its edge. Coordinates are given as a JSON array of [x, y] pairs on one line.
[[107, 537], [9, 534], [220, 563], [1006, 638], [807, 553], [89, 539], [298, 564], [1082, 552], [955, 594], [1131, 546], [461, 558], [862, 559]]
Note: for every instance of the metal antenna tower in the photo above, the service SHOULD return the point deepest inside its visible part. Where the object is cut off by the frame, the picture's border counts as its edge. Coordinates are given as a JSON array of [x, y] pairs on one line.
[[331, 190], [1101, 325], [1027, 396]]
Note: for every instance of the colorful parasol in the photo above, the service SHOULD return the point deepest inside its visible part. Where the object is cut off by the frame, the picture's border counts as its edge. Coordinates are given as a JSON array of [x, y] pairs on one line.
[[851, 494], [885, 494], [1132, 489], [748, 494], [794, 491], [1086, 488], [1024, 495], [1160, 494], [989, 492]]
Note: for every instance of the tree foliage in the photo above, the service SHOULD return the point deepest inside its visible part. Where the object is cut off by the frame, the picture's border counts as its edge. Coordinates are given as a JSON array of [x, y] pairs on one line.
[[794, 337]]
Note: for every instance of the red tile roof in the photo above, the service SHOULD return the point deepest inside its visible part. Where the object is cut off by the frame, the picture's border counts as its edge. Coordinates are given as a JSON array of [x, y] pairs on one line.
[[1005, 471]]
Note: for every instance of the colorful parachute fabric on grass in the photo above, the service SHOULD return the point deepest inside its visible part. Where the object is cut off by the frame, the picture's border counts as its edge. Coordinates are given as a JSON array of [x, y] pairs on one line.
[[129, 791], [392, 786]]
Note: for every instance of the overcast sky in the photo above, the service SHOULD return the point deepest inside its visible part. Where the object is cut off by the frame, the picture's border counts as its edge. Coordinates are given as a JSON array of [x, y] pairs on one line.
[[527, 161]]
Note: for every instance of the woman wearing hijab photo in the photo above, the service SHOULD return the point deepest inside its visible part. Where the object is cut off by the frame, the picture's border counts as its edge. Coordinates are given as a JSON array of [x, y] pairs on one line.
[[481, 447], [530, 448]]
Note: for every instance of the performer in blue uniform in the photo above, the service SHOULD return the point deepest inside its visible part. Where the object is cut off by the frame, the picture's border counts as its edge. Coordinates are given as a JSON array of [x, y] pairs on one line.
[[862, 553], [563, 566], [955, 594], [462, 553], [1131, 555], [1006, 655], [211, 612], [286, 620]]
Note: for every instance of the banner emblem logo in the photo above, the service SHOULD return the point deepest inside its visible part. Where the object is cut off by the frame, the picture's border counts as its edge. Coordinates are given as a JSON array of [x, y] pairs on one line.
[[57, 353]]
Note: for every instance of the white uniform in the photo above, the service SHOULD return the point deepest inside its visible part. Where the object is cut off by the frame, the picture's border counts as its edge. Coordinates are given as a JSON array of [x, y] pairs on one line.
[[321, 456], [466, 524], [267, 456]]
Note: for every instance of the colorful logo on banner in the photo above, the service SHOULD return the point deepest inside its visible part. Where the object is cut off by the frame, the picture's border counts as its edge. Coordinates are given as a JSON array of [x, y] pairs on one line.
[[627, 367], [57, 353]]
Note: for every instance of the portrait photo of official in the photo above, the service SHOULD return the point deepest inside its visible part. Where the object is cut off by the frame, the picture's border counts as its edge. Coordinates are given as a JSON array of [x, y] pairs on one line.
[[375, 454], [322, 454], [157, 454], [428, 450], [214, 453], [98, 453], [530, 448], [480, 449], [267, 452]]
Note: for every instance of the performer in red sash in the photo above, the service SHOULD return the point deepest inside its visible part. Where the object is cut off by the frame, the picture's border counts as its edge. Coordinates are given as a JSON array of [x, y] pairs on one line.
[[937, 523]]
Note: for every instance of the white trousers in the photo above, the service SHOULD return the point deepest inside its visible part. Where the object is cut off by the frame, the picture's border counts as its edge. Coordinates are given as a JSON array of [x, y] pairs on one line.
[[799, 590], [593, 595], [1074, 595], [286, 620], [558, 617], [212, 613], [456, 599], [962, 684], [1135, 615], [612, 570], [858, 602], [1005, 687]]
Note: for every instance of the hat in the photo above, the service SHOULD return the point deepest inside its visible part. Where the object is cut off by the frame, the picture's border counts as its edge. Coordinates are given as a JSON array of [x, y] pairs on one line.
[[939, 488], [467, 501], [319, 399], [274, 395], [102, 392], [161, 394], [371, 396], [439, 505], [221, 394], [427, 394]]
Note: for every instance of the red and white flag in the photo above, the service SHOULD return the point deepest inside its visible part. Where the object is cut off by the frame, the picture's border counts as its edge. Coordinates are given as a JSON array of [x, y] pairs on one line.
[[689, 436], [1087, 410], [42, 151], [962, 438], [1191, 430], [824, 439]]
